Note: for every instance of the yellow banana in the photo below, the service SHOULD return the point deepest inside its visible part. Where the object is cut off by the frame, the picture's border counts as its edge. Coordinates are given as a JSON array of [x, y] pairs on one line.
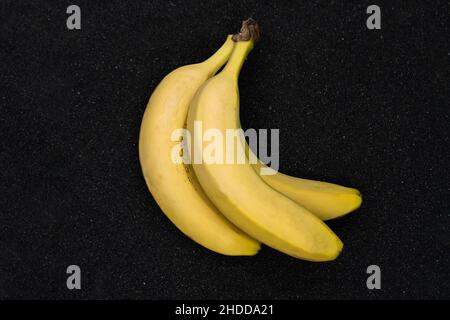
[[326, 200], [236, 189], [174, 186]]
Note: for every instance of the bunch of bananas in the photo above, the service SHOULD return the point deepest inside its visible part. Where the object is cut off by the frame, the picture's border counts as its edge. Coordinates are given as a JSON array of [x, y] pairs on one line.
[[232, 208]]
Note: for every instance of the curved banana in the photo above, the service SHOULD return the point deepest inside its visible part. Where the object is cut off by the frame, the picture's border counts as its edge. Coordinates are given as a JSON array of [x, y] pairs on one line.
[[173, 185], [236, 189], [326, 200]]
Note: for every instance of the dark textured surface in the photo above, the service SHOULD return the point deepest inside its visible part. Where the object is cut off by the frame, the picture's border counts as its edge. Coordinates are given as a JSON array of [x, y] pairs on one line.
[[361, 108]]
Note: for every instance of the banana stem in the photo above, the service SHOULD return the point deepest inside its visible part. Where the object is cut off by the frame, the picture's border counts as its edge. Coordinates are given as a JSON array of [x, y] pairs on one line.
[[218, 59], [249, 31], [245, 40]]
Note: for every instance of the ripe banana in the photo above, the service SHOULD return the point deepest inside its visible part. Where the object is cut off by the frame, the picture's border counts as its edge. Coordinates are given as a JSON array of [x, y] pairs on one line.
[[326, 200], [174, 186], [236, 189]]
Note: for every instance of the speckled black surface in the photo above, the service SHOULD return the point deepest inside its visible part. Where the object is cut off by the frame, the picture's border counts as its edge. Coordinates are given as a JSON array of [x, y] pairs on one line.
[[367, 109]]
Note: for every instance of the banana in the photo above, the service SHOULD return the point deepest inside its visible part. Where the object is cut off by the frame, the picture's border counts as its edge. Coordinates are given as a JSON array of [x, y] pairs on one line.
[[173, 185], [326, 200], [236, 189]]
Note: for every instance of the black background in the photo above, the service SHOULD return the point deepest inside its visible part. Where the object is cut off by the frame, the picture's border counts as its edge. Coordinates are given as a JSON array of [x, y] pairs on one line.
[[367, 109]]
